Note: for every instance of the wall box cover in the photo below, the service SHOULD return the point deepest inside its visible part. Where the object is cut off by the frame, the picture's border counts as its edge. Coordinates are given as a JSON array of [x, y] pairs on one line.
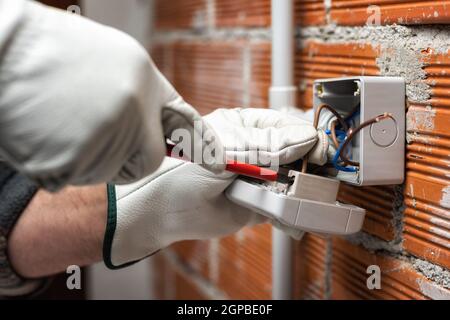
[[379, 148]]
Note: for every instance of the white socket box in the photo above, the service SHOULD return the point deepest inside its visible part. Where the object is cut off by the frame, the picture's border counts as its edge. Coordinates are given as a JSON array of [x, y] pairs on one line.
[[379, 148]]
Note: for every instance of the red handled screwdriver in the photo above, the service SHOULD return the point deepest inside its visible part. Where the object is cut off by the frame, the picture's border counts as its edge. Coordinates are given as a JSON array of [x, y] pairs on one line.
[[238, 167]]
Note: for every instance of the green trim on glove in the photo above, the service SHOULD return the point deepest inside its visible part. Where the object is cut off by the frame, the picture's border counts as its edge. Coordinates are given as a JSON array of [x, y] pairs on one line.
[[111, 224], [111, 221]]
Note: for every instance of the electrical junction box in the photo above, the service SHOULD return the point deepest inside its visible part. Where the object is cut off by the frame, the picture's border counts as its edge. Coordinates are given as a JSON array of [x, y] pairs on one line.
[[380, 147], [308, 201]]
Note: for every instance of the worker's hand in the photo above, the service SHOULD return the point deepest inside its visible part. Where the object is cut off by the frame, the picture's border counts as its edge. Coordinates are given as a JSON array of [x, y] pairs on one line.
[[183, 201], [325, 120], [267, 137], [82, 103], [180, 201]]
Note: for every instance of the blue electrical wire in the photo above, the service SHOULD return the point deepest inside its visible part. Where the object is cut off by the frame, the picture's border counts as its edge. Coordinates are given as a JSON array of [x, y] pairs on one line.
[[336, 157], [352, 117], [341, 135]]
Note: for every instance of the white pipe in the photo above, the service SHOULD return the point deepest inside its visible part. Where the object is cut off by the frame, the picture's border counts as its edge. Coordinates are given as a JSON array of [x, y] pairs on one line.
[[283, 92], [282, 265], [282, 96]]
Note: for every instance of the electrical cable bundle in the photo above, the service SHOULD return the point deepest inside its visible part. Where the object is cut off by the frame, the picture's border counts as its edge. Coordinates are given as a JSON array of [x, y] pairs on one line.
[[342, 134]]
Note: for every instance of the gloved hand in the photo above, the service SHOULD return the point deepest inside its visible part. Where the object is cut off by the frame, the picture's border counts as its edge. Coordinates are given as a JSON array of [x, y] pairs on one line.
[[325, 120], [182, 201], [267, 136], [82, 103]]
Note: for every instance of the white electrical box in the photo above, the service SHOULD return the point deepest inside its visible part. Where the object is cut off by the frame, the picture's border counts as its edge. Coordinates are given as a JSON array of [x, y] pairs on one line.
[[374, 107], [379, 148]]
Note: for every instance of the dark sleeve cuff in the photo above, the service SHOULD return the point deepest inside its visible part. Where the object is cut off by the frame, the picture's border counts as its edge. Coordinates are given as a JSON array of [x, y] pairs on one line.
[[16, 191]]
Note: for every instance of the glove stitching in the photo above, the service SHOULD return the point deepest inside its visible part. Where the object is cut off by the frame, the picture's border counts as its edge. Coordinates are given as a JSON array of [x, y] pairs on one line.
[[150, 181]]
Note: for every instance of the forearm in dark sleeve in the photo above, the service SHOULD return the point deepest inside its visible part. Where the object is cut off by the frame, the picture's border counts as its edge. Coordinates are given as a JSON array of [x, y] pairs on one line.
[[42, 233]]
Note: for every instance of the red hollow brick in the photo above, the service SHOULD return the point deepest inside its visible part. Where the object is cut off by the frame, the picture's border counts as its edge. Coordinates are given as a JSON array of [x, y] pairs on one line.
[[209, 75], [171, 283], [240, 265], [379, 204], [399, 280], [260, 76], [359, 12], [242, 13], [310, 12], [427, 186], [310, 268], [180, 14]]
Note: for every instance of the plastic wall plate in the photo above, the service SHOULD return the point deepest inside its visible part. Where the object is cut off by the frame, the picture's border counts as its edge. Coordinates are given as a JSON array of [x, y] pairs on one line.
[[380, 148], [303, 214]]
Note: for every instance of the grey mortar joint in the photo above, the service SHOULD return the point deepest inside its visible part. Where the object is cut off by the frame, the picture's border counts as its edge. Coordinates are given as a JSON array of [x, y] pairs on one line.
[[398, 208], [375, 244], [223, 34], [435, 273]]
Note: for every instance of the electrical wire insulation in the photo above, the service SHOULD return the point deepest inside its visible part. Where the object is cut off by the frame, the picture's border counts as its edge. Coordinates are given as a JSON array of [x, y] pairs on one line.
[[342, 138], [316, 124]]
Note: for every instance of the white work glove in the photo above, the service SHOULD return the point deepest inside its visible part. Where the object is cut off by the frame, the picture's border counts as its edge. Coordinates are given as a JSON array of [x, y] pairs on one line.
[[325, 120], [182, 201], [268, 136], [81, 103]]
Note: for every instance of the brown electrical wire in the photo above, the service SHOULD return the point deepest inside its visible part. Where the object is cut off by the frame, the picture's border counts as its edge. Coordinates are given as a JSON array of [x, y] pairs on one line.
[[333, 111], [343, 156], [316, 124], [333, 133], [351, 133]]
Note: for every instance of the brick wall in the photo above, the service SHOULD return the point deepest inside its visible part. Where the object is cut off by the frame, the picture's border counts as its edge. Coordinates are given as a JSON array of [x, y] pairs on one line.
[[217, 54]]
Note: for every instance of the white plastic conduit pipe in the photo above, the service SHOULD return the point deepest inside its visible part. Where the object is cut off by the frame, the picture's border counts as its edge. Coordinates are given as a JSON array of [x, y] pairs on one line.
[[282, 96], [283, 91]]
